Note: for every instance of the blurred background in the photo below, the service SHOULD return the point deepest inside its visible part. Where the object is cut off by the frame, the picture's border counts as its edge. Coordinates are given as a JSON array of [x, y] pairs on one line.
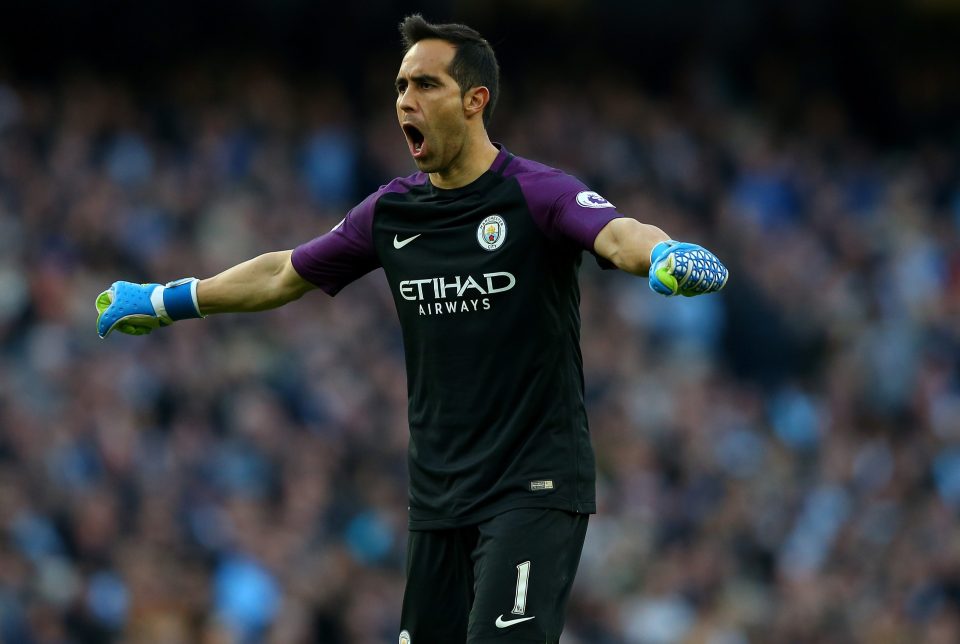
[[779, 463]]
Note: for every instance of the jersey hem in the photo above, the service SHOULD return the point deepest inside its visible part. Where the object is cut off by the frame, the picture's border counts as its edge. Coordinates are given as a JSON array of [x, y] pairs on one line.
[[587, 507]]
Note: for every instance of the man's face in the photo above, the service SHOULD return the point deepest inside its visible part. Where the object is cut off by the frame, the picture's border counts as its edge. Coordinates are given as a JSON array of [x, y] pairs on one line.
[[430, 105]]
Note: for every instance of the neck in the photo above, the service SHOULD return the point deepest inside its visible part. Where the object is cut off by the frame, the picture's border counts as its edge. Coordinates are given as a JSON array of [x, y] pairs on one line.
[[474, 159]]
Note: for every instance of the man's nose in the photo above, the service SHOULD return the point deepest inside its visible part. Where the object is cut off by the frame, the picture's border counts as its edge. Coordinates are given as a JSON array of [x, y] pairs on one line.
[[406, 103]]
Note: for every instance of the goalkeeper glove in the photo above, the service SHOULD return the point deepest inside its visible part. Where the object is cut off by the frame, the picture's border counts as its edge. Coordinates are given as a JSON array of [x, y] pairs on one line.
[[138, 309], [679, 268]]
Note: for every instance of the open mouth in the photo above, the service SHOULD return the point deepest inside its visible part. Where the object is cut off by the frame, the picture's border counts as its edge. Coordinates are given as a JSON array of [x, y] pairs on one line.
[[415, 139]]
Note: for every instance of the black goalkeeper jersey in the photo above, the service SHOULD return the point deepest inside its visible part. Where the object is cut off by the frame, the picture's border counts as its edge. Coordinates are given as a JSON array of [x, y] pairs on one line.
[[485, 283]]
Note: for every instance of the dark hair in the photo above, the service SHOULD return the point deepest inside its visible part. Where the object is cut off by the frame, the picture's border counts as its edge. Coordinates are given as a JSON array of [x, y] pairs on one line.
[[473, 65]]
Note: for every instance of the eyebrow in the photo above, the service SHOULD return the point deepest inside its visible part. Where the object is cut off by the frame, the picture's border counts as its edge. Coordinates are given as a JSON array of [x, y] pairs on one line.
[[419, 78]]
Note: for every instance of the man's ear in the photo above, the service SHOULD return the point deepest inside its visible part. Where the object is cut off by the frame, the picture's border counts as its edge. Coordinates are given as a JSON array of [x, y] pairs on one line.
[[474, 100]]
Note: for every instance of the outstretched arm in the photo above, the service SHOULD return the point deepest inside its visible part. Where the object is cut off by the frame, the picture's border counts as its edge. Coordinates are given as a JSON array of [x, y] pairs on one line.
[[672, 268], [258, 284], [627, 243], [262, 283]]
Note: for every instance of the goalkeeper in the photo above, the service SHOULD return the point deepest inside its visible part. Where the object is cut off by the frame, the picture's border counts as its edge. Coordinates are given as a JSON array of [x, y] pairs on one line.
[[481, 250]]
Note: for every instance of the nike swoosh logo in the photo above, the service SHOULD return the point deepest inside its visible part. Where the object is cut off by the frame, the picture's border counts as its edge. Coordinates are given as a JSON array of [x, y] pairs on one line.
[[503, 623], [400, 244]]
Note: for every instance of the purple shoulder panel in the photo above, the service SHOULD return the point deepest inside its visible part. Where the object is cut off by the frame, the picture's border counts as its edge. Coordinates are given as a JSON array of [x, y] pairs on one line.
[[561, 205], [346, 253]]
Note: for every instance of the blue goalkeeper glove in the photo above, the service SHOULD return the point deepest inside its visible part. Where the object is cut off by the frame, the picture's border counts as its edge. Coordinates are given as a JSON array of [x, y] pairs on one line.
[[679, 268], [138, 309]]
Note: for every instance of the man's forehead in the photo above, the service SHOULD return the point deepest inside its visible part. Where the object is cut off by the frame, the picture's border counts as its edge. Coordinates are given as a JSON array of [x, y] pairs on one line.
[[431, 56]]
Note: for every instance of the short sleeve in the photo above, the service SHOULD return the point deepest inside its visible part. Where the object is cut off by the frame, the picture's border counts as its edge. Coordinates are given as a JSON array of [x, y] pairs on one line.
[[565, 209], [346, 253]]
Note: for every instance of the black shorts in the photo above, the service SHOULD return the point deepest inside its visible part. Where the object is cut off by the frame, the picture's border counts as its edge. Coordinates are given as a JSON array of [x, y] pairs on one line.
[[505, 580]]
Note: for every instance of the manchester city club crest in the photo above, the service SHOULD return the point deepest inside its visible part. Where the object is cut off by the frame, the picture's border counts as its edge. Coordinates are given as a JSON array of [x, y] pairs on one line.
[[492, 232]]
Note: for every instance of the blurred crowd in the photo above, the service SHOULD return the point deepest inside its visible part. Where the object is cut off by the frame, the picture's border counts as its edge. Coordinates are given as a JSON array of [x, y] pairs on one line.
[[779, 463]]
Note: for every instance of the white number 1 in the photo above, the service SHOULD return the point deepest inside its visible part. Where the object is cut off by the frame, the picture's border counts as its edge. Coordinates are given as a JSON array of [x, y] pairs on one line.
[[523, 576]]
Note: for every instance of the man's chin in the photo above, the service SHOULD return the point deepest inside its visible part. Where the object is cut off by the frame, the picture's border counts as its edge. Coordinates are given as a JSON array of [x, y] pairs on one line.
[[426, 165]]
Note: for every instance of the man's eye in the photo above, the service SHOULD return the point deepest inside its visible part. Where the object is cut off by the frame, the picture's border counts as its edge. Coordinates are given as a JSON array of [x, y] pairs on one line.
[[425, 85]]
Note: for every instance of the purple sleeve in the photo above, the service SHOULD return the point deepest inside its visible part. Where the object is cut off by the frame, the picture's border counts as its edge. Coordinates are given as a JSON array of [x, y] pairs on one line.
[[333, 260], [564, 208]]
